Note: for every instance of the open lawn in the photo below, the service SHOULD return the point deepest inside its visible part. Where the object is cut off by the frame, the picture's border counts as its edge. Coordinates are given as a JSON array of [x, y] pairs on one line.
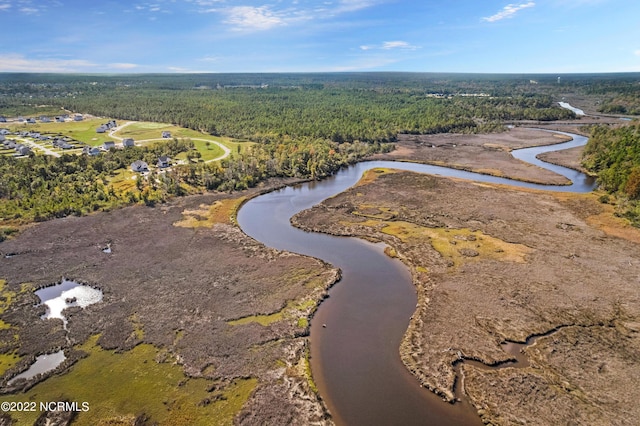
[[83, 131]]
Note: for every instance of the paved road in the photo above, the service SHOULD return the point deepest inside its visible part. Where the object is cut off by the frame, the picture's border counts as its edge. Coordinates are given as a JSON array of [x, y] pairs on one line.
[[226, 150]]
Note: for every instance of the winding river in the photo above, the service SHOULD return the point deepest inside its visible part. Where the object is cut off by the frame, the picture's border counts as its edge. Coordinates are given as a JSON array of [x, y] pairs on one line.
[[356, 332]]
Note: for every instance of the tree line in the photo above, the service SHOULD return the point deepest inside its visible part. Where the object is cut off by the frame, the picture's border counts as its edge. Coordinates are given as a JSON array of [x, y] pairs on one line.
[[614, 154]]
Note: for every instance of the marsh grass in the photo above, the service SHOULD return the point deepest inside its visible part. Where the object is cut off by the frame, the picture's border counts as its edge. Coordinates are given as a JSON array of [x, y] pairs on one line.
[[123, 386]]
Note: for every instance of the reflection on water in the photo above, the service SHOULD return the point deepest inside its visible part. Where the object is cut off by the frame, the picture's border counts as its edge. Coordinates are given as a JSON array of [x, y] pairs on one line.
[[68, 293], [43, 364]]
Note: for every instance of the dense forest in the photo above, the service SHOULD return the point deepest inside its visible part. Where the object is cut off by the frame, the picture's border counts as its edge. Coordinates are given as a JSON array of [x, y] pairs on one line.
[[374, 108], [305, 125], [614, 154]]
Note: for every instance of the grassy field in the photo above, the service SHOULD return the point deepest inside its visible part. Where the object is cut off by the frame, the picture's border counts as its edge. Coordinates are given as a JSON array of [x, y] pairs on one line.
[[83, 131], [208, 153], [122, 386]]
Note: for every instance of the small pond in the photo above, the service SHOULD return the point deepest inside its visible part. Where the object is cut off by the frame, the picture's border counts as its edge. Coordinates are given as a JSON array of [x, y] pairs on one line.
[[65, 295], [43, 364]]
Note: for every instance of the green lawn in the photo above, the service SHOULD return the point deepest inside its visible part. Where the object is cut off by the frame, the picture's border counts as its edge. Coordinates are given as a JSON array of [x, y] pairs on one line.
[[83, 131], [213, 151]]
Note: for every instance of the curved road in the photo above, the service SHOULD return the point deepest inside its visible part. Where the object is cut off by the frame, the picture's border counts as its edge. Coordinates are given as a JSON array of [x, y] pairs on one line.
[[227, 151]]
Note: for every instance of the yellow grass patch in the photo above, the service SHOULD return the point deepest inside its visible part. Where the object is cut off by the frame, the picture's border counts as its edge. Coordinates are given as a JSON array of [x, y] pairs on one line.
[[221, 211], [291, 310], [371, 175], [459, 245], [374, 212]]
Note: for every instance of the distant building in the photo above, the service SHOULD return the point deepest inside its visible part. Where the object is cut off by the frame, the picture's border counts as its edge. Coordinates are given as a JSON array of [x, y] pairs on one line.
[[108, 145], [78, 117], [166, 135], [31, 120], [60, 119], [139, 166], [101, 129], [45, 119], [164, 162], [126, 142], [3, 119]]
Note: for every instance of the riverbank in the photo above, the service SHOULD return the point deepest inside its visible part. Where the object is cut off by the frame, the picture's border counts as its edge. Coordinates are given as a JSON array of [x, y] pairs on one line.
[[488, 268], [488, 154]]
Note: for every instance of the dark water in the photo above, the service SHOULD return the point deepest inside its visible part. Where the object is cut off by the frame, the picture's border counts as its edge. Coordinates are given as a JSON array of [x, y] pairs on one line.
[[355, 359]]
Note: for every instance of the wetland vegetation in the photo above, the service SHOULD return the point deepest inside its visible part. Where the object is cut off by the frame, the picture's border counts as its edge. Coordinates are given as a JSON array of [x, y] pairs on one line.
[[217, 323]]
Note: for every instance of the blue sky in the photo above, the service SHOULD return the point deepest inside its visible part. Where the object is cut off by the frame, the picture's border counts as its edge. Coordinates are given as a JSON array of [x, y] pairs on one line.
[[487, 36]]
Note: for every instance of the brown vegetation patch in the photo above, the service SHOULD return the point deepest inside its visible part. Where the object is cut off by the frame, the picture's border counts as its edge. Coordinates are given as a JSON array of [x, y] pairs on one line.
[[175, 288], [563, 274]]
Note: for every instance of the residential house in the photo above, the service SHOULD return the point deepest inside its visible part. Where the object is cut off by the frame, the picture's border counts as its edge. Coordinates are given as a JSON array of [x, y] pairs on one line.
[[66, 145], [139, 166], [101, 129], [166, 135], [126, 142], [23, 150], [164, 161], [31, 120], [45, 119], [89, 150], [78, 117], [108, 145], [3, 119], [60, 119], [4, 131]]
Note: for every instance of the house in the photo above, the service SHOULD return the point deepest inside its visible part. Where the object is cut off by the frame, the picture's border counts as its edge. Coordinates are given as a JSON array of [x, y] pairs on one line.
[[4, 131], [164, 161], [128, 142], [166, 135], [60, 119], [89, 150], [31, 120], [65, 145], [108, 145], [103, 128], [111, 124], [23, 150], [78, 117], [139, 166], [45, 119], [3, 119]]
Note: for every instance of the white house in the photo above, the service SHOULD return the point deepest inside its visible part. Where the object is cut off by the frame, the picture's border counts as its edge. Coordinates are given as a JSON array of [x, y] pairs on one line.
[[108, 145]]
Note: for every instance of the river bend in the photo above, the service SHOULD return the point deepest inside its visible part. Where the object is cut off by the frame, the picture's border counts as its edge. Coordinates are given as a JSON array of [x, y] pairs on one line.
[[355, 359]]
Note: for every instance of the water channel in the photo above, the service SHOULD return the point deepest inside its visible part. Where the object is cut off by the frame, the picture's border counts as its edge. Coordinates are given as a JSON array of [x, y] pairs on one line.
[[355, 359]]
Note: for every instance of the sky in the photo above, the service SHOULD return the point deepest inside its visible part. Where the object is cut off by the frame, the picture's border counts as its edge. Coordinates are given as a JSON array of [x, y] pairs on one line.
[[468, 36]]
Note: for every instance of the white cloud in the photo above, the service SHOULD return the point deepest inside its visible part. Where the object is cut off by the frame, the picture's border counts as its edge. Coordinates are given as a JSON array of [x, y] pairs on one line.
[[354, 5], [29, 10], [123, 66], [14, 62], [4, 7], [637, 52], [508, 11], [253, 18], [389, 45]]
